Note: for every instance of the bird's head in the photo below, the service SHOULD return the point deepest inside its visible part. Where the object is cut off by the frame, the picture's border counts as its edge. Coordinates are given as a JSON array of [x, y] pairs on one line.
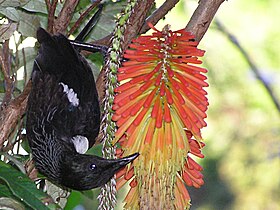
[[84, 172]]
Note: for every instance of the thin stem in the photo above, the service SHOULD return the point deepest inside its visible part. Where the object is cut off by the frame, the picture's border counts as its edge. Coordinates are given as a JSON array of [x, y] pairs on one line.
[[82, 17], [5, 60], [65, 16], [250, 61], [158, 14], [51, 10]]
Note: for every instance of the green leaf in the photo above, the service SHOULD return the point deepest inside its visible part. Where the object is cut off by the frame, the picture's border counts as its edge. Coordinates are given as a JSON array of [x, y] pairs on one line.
[[40, 6], [7, 30], [9, 203], [36, 6], [18, 160], [10, 13], [28, 24], [5, 191], [23, 188], [13, 3]]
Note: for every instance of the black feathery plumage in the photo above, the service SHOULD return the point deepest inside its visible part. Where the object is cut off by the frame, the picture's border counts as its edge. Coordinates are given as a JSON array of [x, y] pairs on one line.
[[63, 117]]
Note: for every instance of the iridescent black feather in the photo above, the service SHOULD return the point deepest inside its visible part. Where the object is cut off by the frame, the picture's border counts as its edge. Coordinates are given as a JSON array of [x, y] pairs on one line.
[[63, 108]]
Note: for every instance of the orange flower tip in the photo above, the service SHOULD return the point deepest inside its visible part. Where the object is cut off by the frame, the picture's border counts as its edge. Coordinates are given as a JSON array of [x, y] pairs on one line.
[[115, 107], [196, 174], [198, 183], [133, 183], [116, 117], [201, 144], [189, 134], [167, 116], [187, 179], [119, 151], [158, 124], [169, 97], [135, 94], [139, 117], [129, 174], [192, 164], [149, 99]]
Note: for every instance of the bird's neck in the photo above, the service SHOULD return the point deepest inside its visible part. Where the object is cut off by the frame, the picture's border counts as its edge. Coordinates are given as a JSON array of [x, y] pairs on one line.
[[50, 156]]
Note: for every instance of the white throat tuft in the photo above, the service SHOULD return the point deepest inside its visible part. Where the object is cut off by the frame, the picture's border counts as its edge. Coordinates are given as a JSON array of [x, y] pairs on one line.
[[81, 144]]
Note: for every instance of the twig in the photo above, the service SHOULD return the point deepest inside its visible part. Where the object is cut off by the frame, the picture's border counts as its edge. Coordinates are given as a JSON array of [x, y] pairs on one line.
[[82, 17], [24, 66], [51, 10], [12, 112], [250, 61], [5, 60], [48, 4], [65, 16], [158, 14], [202, 17]]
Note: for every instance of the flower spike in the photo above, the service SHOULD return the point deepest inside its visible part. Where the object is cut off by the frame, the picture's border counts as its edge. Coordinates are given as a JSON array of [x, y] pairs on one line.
[[160, 109]]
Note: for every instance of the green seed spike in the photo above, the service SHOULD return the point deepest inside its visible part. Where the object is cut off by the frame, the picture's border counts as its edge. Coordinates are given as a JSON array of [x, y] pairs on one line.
[[107, 197]]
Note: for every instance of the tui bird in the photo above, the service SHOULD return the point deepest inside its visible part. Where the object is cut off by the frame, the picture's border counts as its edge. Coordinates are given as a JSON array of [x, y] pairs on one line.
[[63, 117]]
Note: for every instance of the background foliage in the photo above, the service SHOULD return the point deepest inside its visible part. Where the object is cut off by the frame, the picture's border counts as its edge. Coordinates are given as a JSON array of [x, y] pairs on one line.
[[242, 150], [242, 164]]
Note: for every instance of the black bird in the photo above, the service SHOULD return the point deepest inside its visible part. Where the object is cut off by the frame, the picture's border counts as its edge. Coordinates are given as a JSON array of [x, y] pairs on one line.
[[63, 117]]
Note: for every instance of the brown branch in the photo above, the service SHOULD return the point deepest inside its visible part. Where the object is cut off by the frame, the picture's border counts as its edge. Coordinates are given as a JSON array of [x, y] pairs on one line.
[[65, 16], [158, 14], [5, 60], [51, 11], [48, 4], [250, 61], [202, 17], [11, 113], [82, 17]]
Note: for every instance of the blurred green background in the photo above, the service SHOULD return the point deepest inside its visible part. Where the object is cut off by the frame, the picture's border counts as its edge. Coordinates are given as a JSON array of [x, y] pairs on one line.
[[242, 153]]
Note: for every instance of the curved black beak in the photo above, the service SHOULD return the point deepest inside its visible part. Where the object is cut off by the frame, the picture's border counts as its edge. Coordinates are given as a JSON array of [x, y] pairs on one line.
[[126, 160]]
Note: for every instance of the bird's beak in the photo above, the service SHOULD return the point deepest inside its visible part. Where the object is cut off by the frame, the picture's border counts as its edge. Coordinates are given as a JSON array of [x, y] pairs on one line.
[[126, 160], [117, 164]]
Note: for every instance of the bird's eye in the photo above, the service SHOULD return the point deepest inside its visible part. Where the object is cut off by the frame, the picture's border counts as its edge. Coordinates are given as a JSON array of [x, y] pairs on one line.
[[92, 166]]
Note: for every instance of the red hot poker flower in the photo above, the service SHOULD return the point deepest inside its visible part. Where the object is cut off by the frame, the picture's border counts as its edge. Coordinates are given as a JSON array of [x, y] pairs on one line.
[[160, 109]]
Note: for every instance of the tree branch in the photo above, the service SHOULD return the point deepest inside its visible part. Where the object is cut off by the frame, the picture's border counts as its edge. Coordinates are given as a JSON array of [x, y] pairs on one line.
[[65, 16], [5, 60], [202, 17], [9, 115], [158, 14], [250, 61], [82, 17], [51, 10]]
